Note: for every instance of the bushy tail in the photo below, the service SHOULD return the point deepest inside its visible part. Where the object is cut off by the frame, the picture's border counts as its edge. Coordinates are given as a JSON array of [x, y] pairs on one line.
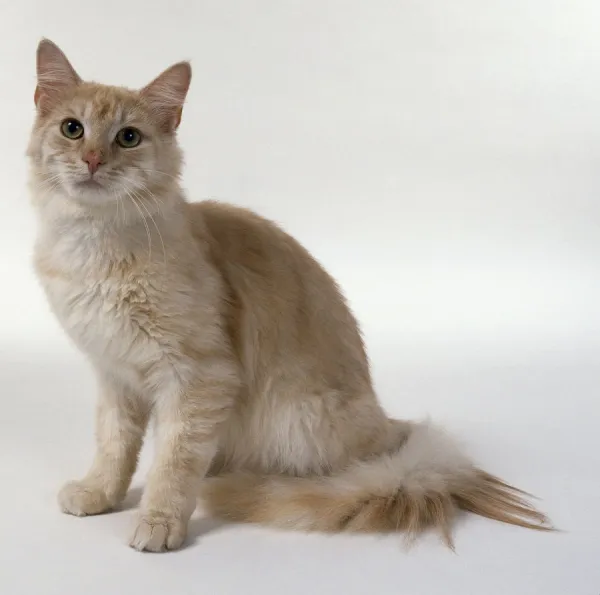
[[420, 486]]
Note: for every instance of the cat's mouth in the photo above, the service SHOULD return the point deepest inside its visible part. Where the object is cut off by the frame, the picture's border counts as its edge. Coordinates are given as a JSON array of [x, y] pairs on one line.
[[89, 183], [90, 188]]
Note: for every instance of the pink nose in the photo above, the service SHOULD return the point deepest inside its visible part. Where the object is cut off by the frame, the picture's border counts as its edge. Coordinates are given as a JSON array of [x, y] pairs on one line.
[[93, 160]]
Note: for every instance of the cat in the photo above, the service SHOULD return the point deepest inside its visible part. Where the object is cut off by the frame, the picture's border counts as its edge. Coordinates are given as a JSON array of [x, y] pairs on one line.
[[223, 330]]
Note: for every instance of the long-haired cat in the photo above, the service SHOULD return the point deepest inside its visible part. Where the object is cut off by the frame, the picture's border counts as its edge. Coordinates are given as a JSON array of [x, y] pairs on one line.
[[220, 328]]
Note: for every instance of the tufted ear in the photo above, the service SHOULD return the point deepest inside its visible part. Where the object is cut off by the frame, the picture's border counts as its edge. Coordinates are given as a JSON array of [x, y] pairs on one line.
[[166, 94], [55, 75]]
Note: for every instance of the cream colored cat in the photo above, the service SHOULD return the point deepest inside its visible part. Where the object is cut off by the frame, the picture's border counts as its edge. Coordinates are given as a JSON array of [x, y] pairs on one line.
[[221, 329]]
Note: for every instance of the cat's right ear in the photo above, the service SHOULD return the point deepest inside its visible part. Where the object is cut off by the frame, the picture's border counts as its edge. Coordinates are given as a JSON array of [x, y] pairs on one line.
[[55, 75]]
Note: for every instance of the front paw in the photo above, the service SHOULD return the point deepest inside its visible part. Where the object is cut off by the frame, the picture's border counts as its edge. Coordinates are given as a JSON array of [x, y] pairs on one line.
[[81, 499], [156, 532]]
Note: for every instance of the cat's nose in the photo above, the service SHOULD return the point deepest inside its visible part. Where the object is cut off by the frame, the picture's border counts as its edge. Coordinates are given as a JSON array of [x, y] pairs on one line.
[[93, 160]]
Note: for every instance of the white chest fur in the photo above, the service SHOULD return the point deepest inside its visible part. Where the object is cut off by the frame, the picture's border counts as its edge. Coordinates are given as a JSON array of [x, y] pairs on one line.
[[105, 304], [142, 318]]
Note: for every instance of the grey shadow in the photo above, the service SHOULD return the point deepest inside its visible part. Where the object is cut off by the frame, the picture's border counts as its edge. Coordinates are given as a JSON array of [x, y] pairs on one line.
[[132, 500], [200, 527]]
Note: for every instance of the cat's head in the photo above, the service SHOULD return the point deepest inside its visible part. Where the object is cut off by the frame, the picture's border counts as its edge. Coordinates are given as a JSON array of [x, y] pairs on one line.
[[95, 144]]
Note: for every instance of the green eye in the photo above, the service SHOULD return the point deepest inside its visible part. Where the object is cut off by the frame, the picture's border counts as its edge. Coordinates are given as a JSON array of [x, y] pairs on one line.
[[72, 128], [129, 138]]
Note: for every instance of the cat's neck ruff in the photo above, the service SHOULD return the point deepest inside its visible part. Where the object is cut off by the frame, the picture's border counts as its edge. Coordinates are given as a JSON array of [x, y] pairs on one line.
[[81, 236]]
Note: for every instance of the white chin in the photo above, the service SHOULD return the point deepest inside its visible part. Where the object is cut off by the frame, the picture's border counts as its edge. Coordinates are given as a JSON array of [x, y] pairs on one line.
[[91, 192]]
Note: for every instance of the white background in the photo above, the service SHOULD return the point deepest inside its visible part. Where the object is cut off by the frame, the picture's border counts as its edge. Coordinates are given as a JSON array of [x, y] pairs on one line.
[[441, 159]]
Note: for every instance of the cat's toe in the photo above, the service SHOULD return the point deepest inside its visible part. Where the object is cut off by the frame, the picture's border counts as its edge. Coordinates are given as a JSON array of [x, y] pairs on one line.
[[80, 499], [155, 532]]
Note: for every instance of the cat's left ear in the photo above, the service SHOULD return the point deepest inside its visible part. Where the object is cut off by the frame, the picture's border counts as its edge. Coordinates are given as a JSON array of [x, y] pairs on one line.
[[166, 94], [55, 75]]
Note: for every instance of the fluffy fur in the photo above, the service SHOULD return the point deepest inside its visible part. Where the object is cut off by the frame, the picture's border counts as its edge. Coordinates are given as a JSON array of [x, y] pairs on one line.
[[220, 328]]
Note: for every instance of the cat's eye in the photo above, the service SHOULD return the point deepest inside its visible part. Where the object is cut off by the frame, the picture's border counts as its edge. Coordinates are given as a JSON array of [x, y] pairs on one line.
[[72, 128], [129, 138]]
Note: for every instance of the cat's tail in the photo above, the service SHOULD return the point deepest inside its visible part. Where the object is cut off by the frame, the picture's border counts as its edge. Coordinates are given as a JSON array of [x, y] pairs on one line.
[[421, 485]]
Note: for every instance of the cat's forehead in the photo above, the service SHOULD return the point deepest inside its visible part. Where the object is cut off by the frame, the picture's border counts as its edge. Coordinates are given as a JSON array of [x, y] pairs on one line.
[[102, 104]]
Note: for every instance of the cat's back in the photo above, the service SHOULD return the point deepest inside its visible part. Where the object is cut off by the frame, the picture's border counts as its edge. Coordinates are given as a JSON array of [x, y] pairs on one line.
[[255, 254], [278, 287], [243, 239]]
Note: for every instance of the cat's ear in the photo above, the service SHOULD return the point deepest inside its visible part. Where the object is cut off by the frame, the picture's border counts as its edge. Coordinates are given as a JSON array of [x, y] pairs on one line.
[[55, 75], [166, 94]]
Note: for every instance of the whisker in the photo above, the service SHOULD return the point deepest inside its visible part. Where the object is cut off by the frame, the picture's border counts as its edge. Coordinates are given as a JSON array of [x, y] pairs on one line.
[[120, 198], [155, 225], [143, 219], [49, 183], [47, 189], [157, 171], [153, 196], [118, 201]]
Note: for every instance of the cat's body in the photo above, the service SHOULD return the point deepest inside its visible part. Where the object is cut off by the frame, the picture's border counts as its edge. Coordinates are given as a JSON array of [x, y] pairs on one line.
[[239, 270], [225, 331]]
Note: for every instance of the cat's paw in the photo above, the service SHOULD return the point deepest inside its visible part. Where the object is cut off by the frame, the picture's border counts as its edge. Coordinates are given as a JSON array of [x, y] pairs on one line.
[[155, 532], [81, 499]]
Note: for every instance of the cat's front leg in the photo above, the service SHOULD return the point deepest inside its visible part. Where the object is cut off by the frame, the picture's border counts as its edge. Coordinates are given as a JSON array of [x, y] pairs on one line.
[[187, 422], [121, 419]]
